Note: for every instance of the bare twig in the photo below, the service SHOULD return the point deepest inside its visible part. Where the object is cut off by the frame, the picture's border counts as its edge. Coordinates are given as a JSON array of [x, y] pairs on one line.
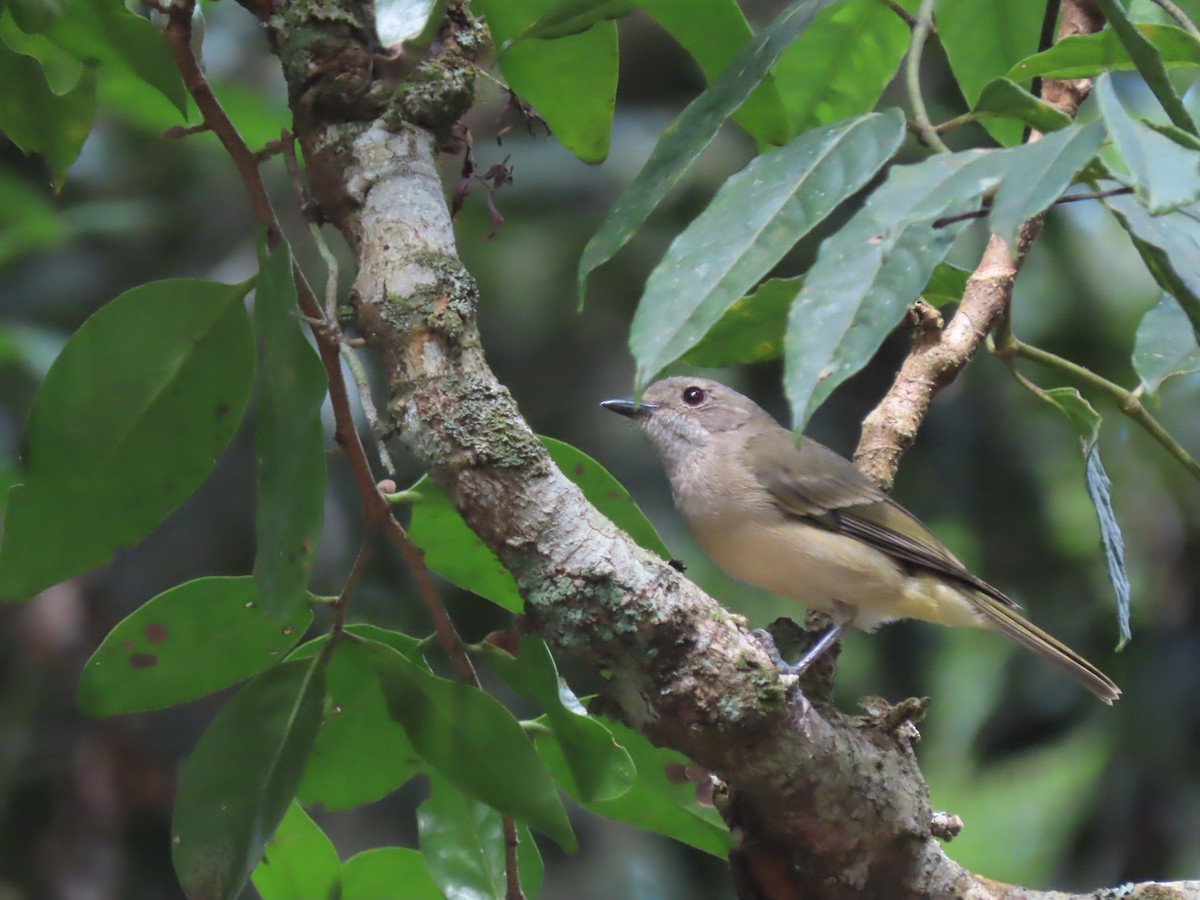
[[1175, 12], [1069, 198], [912, 77], [904, 14], [512, 875], [365, 551]]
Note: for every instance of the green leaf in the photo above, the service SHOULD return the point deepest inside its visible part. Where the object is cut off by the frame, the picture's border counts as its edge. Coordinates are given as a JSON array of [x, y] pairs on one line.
[[105, 32], [947, 284], [1148, 61], [1165, 345], [187, 642], [571, 82], [288, 442], [1170, 247], [237, 784], [299, 861], [1039, 173], [693, 130], [388, 873], [1081, 414], [472, 740], [1004, 97], [458, 555], [567, 17], [983, 40], [39, 120], [360, 754], [600, 769], [655, 802], [713, 39], [751, 331], [1166, 175], [462, 842], [1085, 56], [756, 217], [840, 66], [605, 493], [34, 16], [455, 552], [125, 426], [869, 273]]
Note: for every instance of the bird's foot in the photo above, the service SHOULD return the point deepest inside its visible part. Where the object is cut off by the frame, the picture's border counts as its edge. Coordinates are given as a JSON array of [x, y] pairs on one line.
[[826, 640]]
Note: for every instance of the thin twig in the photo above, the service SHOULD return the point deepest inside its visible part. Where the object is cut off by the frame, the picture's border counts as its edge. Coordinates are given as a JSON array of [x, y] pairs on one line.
[[1176, 13], [513, 875], [359, 374], [912, 77], [1069, 198], [365, 551], [331, 269], [904, 14], [1127, 401]]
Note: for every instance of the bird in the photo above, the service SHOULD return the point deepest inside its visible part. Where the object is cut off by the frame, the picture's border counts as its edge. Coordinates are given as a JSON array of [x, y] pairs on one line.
[[803, 522]]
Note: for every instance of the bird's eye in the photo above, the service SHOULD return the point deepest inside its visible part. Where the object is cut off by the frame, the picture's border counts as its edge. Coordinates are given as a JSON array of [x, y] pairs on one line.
[[693, 396]]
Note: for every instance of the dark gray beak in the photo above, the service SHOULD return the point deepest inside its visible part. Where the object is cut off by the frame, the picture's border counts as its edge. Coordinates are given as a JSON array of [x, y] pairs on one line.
[[629, 409]]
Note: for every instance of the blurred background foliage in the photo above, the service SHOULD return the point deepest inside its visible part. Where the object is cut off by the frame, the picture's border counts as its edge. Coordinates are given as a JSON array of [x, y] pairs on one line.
[[1055, 790]]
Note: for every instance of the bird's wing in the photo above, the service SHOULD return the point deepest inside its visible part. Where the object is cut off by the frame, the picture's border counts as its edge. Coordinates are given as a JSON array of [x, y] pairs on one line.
[[812, 482]]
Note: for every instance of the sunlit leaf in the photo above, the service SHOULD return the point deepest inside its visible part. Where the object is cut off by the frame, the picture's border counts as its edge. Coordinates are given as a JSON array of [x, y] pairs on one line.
[[196, 638], [755, 218], [462, 842], [1165, 345], [236, 787], [1039, 173], [386, 873], [570, 82], [473, 741], [693, 130], [947, 284], [288, 442], [983, 40], [299, 861], [125, 426], [1087, 55]]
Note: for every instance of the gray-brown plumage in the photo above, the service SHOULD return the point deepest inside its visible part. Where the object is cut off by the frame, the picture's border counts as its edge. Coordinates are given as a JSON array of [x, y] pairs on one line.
[[803, 522]]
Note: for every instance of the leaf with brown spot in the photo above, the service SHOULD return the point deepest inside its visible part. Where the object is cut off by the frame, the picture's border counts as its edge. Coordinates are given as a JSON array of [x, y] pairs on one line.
[[155, 632]]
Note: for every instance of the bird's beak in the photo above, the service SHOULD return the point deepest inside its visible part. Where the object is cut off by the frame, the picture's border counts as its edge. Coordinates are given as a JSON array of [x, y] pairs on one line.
[[629, 409]]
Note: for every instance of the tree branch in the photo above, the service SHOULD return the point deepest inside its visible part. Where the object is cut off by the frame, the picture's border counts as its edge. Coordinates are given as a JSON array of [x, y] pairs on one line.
[[891, 427]]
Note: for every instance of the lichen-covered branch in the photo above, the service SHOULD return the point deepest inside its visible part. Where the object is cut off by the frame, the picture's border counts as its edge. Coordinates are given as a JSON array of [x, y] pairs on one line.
[[823, 805], [935, 360]]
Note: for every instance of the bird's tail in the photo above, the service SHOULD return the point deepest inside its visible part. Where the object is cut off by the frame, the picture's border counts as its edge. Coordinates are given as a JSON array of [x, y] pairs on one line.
[[1028, 635]]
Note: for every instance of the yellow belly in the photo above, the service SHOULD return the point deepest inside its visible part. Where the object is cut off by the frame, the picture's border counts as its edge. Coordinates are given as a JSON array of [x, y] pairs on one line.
[[823, 569]]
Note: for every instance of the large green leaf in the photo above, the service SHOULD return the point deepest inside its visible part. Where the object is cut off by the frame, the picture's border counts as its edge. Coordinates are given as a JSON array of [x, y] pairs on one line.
[[868, 273], [1165, 174], [458, 555], [1165, 345], [1170, 247], [983, 40], [658, 802], [693, 130], [1087, 55], [299, 861], [462, 842], [756, 217], [125, 426], [236, 787], [361, 754], [1004, 97], [388, 873], [713, 38], [288, 442], [1039, 173], [106, 32], [751, 330], [571, 82], [840, 66], [1149, 63], [599, 767], [196, 638], [473, 741], [39, 120]]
